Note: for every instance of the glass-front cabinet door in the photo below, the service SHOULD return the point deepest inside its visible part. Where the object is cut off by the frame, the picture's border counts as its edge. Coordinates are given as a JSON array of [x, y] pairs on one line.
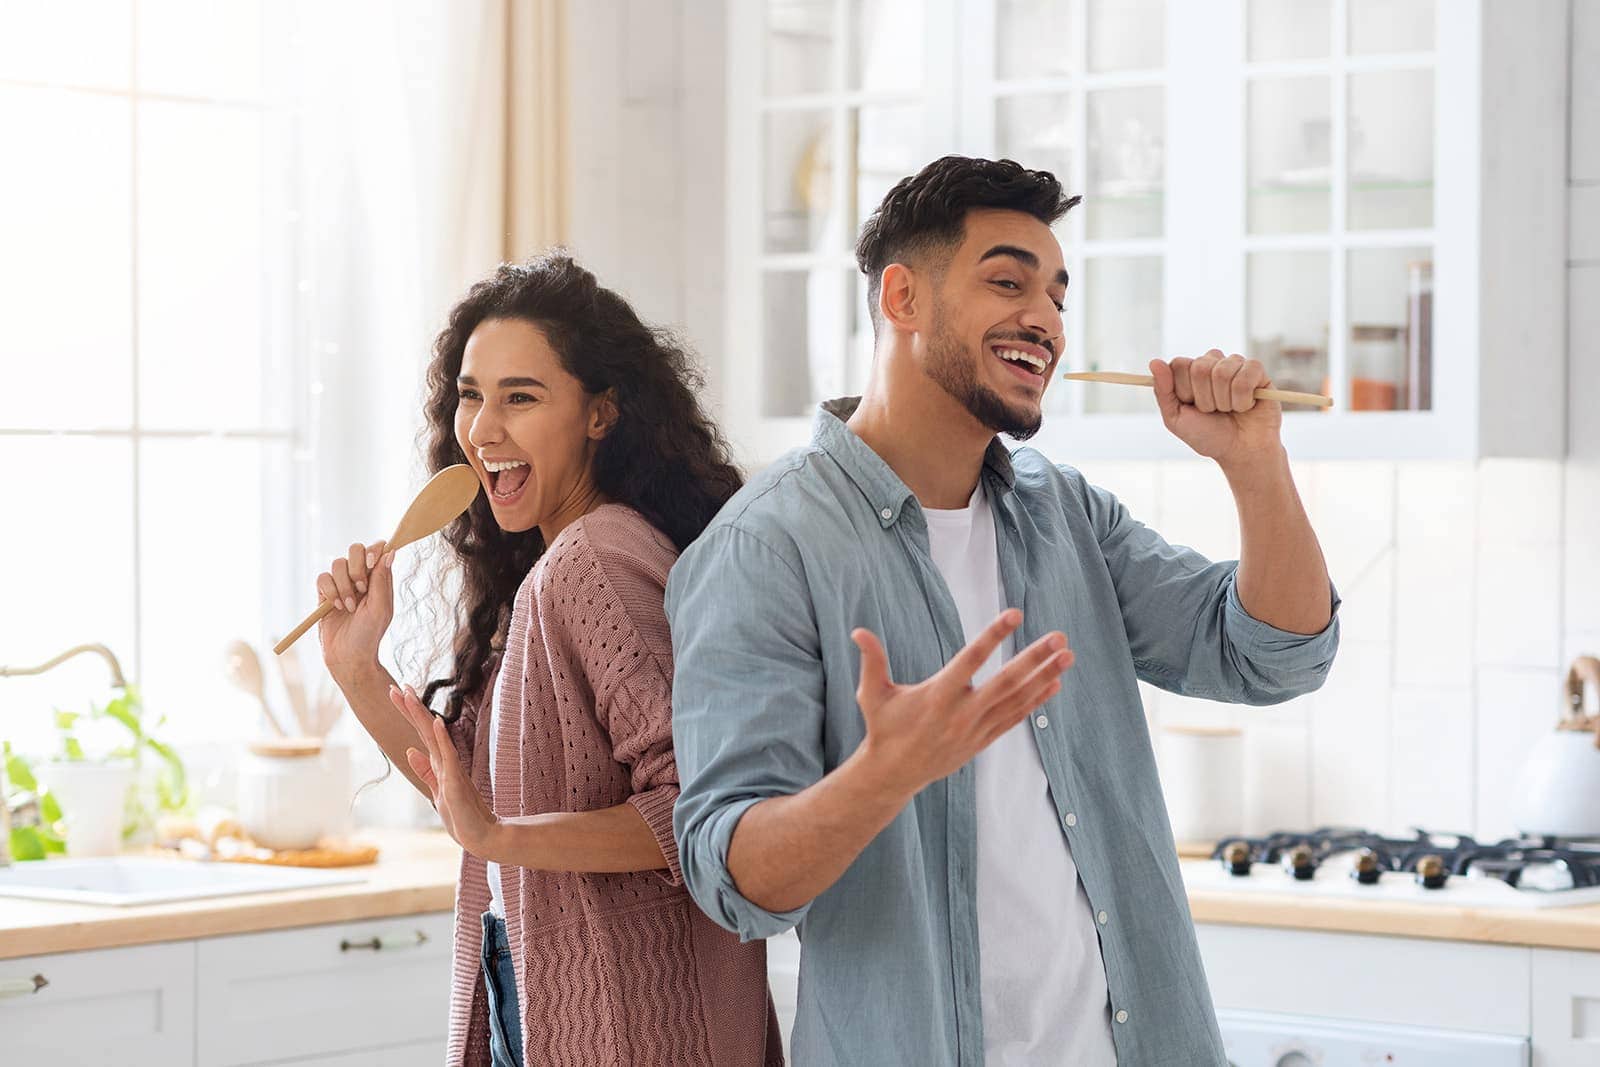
[[1300, 181]]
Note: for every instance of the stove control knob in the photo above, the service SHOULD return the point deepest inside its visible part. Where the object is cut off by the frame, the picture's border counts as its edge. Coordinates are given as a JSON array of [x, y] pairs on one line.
[[1301, 863], [1431, 872], [1367, 868], [1236, 858]]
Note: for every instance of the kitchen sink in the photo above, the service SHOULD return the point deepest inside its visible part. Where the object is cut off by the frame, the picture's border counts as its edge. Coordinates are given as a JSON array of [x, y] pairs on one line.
[[132, 880]]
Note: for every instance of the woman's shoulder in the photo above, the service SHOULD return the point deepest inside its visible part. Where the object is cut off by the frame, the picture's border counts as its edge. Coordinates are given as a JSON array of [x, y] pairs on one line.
[[607, 568], [612, 539]]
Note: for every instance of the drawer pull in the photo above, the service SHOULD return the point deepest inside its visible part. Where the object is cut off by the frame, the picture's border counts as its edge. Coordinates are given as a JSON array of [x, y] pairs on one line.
[[20, 987], [378, 944]]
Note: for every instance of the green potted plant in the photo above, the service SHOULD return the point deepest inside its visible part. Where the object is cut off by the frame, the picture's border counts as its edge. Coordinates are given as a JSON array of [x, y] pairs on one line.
[[109, 783]]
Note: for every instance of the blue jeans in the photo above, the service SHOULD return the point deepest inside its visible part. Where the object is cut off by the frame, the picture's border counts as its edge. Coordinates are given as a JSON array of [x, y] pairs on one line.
[[500, 982]]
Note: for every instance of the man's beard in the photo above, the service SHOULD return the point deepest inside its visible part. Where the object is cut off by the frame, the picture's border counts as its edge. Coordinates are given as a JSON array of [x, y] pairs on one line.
[[951, 369]]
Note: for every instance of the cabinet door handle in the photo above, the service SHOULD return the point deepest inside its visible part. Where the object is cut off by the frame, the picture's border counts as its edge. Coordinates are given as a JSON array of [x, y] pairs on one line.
[[381, 943], [21, 987]]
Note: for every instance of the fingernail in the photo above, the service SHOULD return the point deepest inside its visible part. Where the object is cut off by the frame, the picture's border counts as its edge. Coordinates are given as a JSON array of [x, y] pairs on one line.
[[371, 560], [361, 587], [350, 603], [388, 559]]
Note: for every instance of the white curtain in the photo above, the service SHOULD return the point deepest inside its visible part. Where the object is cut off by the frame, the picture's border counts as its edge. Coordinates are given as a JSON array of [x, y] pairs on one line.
[[432, 148]]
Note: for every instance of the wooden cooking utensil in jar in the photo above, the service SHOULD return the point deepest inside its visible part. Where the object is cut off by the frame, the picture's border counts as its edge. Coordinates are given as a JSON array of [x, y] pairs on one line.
[[447, 494], [1283, 396]]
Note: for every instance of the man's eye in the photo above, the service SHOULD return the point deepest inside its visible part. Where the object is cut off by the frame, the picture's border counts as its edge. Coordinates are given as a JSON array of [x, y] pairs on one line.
[[1008, 283]]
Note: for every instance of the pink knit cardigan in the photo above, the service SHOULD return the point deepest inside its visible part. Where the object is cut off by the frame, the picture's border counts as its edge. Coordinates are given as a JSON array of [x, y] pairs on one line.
[[612, 969]]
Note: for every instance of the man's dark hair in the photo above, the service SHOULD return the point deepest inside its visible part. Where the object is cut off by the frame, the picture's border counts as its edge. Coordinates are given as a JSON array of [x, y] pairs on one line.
[[927, 212]]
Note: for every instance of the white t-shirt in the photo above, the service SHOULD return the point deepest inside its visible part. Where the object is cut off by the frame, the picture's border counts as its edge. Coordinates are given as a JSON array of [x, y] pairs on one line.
[[1044, 983], [497, 900]]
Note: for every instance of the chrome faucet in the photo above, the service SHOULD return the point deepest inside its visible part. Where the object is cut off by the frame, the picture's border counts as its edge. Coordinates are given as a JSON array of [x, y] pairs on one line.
[[117, 681]]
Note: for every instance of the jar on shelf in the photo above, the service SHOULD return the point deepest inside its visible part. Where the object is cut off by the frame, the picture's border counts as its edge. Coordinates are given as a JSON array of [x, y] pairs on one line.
[[1376, 367], [1418, 393], [1300, 369]]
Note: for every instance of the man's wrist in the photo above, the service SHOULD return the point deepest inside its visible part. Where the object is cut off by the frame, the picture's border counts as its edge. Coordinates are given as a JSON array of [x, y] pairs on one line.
[[1257, 468], [880, 775]]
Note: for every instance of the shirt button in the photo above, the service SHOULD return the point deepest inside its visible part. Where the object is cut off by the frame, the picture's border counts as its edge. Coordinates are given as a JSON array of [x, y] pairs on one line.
[[1042, 722], [1122, 1016], [1071, 819], [1103, 917], [885, 513]]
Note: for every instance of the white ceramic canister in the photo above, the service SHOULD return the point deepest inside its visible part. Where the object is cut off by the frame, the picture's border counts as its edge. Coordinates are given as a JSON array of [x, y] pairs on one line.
[[1202, 773], [284, 797]]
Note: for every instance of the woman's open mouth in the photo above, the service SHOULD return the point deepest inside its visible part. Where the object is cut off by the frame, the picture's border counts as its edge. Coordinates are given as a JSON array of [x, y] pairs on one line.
[[507, 479]]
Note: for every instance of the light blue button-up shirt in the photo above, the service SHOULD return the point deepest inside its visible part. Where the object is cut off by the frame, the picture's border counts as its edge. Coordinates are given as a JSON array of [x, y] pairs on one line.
[[827, 539]]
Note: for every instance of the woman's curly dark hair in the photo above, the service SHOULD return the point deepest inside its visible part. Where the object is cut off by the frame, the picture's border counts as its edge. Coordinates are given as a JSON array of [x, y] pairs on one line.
[[663, 456]]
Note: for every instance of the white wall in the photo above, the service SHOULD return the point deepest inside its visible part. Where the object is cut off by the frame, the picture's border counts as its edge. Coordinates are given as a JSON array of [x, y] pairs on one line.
[[1468, 587], [646, 89]]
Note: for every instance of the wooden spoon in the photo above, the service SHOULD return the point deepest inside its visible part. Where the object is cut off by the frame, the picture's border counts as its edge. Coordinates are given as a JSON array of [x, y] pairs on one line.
[[244, 671], [1283, 396], [447, 494]]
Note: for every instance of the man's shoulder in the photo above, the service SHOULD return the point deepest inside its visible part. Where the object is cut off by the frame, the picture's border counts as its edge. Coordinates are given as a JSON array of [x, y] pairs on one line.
[[785, 499], [1041, 480]]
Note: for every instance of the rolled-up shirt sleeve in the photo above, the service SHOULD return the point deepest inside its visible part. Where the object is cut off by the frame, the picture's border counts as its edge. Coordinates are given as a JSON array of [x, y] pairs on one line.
[[747, 704], [1188, 630]]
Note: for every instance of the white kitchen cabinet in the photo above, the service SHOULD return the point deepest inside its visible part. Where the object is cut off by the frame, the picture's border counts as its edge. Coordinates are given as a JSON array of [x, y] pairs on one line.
[[1566, 1008], [322, 990], [123, 1006], [1445, 985], [314, 996], [1260, 177]]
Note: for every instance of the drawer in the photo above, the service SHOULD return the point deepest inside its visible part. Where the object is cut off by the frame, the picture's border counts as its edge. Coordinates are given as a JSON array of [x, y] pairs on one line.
[[326, 991], [124, 1005]]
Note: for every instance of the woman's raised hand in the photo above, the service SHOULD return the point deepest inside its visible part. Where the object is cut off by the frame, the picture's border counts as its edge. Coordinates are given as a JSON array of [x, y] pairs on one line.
[[467, 817]]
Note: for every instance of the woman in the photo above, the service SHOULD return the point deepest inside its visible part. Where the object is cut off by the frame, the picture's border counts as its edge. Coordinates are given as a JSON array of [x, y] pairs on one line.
[[576, 942]]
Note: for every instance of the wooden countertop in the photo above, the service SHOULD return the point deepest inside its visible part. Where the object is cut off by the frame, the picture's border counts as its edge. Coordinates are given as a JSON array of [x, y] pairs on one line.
[[1571, 928], [416, 872]]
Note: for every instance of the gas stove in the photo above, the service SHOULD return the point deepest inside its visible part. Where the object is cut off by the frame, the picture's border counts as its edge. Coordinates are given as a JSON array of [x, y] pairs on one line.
[[1426, 868]]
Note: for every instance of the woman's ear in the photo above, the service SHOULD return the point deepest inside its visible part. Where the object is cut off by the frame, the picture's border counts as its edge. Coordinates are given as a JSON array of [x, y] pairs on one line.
[[603, 414]]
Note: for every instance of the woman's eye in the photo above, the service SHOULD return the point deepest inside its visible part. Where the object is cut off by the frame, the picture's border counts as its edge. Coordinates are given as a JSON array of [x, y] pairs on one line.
[[520, 398], [1060, 307], [468, 394], [1008, 283]]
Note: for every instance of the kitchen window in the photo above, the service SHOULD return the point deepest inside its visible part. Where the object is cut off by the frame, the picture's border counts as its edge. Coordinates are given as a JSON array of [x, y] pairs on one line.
[[154, 410]]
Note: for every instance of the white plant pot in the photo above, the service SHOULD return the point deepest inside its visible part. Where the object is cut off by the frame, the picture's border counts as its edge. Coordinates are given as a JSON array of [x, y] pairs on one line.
[[93, 798]]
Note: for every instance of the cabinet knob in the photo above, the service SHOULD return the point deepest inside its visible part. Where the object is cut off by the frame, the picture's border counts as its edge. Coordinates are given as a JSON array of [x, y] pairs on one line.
[[21, 987], [381, 942]]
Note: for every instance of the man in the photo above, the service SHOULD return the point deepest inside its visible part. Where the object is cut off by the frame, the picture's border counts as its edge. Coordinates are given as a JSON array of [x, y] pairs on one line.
[[961, 813]]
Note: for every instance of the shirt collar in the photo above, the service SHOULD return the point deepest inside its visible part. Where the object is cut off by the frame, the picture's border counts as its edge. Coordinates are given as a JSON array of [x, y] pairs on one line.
[[877, 481]]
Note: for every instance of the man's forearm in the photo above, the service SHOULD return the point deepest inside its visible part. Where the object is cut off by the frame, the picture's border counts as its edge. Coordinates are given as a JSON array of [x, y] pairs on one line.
[[1283, 579], [787, 850]]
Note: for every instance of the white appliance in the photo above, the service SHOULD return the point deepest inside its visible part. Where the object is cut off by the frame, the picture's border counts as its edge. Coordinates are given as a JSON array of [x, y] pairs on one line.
[[1260, 1039]]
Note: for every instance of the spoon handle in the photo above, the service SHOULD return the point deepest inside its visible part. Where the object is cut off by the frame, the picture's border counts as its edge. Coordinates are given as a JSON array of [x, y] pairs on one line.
[[316, 616], [1283, 396]]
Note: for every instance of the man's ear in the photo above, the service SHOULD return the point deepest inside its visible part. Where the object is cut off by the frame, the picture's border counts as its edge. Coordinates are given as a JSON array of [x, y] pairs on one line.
[[897, 296], [603, 415]]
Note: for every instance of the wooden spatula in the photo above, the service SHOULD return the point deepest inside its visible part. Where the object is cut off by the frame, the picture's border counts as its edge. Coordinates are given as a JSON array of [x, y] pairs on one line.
[[447, 494], [1283, 396]]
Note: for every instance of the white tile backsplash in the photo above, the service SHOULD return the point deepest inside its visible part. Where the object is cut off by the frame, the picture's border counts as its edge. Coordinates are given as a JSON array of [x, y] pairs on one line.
[[1197, 509], [1350, 737], [1519, 605], [1432, 771], [1515, 709]]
